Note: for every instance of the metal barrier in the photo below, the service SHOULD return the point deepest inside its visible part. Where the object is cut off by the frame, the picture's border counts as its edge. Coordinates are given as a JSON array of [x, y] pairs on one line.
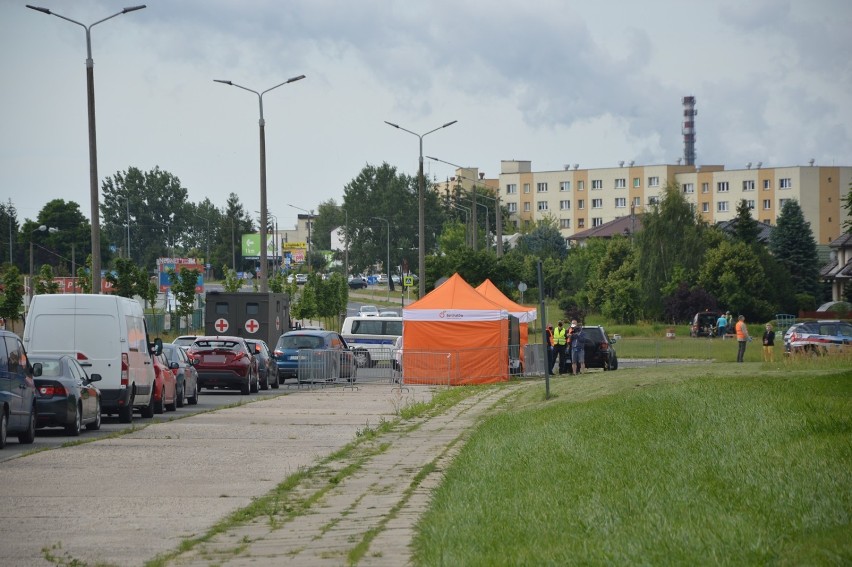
[[323, 368]]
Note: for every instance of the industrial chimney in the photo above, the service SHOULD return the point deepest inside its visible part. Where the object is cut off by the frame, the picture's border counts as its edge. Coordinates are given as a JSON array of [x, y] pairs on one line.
[[689, 114]]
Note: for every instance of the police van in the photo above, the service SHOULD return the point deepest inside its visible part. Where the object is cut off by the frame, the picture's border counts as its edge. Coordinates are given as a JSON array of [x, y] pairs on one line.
[[372, 338]]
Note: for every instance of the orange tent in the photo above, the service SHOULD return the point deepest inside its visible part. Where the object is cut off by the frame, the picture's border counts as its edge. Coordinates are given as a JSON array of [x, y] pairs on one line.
[[524, 314], [454, 335]]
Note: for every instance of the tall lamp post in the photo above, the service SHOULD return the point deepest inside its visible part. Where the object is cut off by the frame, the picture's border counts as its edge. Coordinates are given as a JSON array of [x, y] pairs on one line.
[[207, 253], [498, 213], [264, 285], [42, 228], [388, 266], [421, 209], [94, 200], [274, 239]]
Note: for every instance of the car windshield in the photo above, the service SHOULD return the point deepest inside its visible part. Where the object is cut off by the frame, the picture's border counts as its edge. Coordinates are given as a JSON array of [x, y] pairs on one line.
[[300, 341], [184, 341], [369, 309], [211, 345]]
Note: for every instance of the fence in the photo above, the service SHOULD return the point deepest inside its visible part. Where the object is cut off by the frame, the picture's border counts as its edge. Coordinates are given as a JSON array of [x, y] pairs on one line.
[[324, 368], [162, 322]]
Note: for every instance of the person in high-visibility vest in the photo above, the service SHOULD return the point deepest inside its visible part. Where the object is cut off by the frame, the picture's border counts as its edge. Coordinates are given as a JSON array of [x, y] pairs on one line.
[[560, 343]]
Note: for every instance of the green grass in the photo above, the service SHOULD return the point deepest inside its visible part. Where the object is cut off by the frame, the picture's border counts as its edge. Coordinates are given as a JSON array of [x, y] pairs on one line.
[[738, 464]]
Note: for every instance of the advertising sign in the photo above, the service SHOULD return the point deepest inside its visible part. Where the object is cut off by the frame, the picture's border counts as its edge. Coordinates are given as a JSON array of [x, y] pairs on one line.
[[251, 247], [177, 264]]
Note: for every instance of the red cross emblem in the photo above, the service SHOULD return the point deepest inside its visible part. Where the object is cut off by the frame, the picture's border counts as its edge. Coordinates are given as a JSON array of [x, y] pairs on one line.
[[252, 326], [221, 325]]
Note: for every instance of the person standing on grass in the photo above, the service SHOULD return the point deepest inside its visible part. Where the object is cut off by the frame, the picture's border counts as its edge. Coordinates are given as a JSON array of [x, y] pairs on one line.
[[769, 344], [742, 337], [560, 342], [721, 325], [578, 349], [551, 354]]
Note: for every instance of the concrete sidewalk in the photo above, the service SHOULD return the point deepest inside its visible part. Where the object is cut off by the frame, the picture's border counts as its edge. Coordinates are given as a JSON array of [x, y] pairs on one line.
[[125, 500]]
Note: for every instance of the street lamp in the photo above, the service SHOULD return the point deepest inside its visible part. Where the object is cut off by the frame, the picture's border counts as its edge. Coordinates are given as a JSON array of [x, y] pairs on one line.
[[42, 228], [421, 209], [388, 266], [466, 211], [264, 287], [94, 200], [497, 211], [274, 239], [310, 222], [207, 253]]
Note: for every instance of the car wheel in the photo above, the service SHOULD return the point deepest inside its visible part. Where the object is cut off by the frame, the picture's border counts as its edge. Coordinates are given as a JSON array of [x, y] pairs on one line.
[[172, 406], [75, 428], [253, 384], [158, 404], [28, 436], [4, 423], [277, 383], [362, 359], [194, 398], [125, 414], [180, 396], [245, 389], [265, 384], [95, 425]]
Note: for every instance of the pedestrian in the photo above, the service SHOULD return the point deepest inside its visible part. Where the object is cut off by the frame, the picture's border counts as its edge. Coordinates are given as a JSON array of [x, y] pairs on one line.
[[769, 344], [721, 325], [578, 348], [560, 342], [742, 337], [551, 353]]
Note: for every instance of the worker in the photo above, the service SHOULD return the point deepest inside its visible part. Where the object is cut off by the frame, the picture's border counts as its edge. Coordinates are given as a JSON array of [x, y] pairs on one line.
[[560, 343]]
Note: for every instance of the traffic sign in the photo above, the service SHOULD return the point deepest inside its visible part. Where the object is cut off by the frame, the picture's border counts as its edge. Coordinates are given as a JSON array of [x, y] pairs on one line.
[[408, 281]]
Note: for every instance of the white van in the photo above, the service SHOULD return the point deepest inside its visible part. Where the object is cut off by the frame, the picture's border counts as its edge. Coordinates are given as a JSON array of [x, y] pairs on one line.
[[108, 336], [371, 338]]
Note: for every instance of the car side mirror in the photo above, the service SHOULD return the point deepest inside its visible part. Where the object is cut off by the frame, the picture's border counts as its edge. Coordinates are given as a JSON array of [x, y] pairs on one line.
[[36, 369], [95, 378], [156, 347], [174, 365]]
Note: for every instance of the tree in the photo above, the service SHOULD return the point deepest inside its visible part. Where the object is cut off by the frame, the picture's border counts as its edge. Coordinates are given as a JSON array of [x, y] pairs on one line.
[[613, 288], [793, 245], [671, 236], [733, 273], [745, 227], [183, 287], [13, 294], [84, 276], [44, 282], [125, 280], [8, 230], [231, 283], [685, 301], [543, 241], [847, 204]]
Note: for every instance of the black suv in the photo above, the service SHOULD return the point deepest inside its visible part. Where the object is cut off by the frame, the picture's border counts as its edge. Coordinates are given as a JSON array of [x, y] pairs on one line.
[[599, 350]]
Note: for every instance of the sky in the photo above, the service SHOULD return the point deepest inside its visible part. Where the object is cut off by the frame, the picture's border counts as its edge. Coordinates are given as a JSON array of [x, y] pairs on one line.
[[589, 82]]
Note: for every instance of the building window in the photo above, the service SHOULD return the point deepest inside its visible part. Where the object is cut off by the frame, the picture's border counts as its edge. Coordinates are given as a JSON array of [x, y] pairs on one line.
[[722, 187], [597, 221], [637, 182], [581, 203], [597, 203], [705, 207], [565, 205], [722, 207], [597, 183], [653, 200], [688, 188], [541, 205], [526, 187], [766, 185], [767, 204], [785, 183], [564, 223], [581, 223], [581, 185], [748, 185], [621, 183], [781, 203], [526, 207], [511, 189], [750, 204], [654, 181], [705, 187], [512, 207], [621, 202], [564, 185], [541, 187]]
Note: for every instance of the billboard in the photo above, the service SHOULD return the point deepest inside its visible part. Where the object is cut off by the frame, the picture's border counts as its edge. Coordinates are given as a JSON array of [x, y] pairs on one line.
[[176, 264], [251, 247]]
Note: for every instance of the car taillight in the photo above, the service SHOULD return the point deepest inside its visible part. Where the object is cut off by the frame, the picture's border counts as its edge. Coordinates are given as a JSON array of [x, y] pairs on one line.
[[239, 355], [604, 346], [276, 353], [81, 357], [125, 370], [50, 390]]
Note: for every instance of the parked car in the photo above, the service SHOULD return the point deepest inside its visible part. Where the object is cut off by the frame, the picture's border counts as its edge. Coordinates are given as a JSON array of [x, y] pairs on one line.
[[357, 282], [704, 324], [267, 370], [224, 362], [599, 350], [185, 341], [321, 355], [368, 311], [387, 313], [67, 396], [17, 391], [185, 374], [164, 396], [382, 279], [301, 279], [817, 337]]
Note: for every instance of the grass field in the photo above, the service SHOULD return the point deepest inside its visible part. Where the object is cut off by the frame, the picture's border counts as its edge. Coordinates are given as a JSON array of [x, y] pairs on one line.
[[733, 464]]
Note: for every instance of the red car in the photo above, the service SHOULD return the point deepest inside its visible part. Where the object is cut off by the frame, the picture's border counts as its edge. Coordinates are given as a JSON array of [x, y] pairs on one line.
[[225, 362], [165, 385]]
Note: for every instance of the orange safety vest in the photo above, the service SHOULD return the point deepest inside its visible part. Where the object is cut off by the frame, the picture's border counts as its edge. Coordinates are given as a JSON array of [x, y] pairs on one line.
[[559, 336], [742, 332]]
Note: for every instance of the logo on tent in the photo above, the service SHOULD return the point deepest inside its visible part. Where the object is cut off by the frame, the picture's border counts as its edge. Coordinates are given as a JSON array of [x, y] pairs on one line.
[[448, 315]]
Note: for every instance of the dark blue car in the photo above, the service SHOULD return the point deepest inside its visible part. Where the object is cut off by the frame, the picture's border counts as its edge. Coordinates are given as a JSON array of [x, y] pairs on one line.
[[17, 391], [314, 356]]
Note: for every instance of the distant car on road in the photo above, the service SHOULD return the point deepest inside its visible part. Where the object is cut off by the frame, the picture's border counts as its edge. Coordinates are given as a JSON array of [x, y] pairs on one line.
[[368, 311], [301, 279], [67, 396], [314, 355], [267, 370], [357, 282], [387, 313]]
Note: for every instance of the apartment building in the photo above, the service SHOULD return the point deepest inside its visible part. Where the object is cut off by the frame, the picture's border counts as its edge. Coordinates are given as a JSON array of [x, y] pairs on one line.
[[580, 199]]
